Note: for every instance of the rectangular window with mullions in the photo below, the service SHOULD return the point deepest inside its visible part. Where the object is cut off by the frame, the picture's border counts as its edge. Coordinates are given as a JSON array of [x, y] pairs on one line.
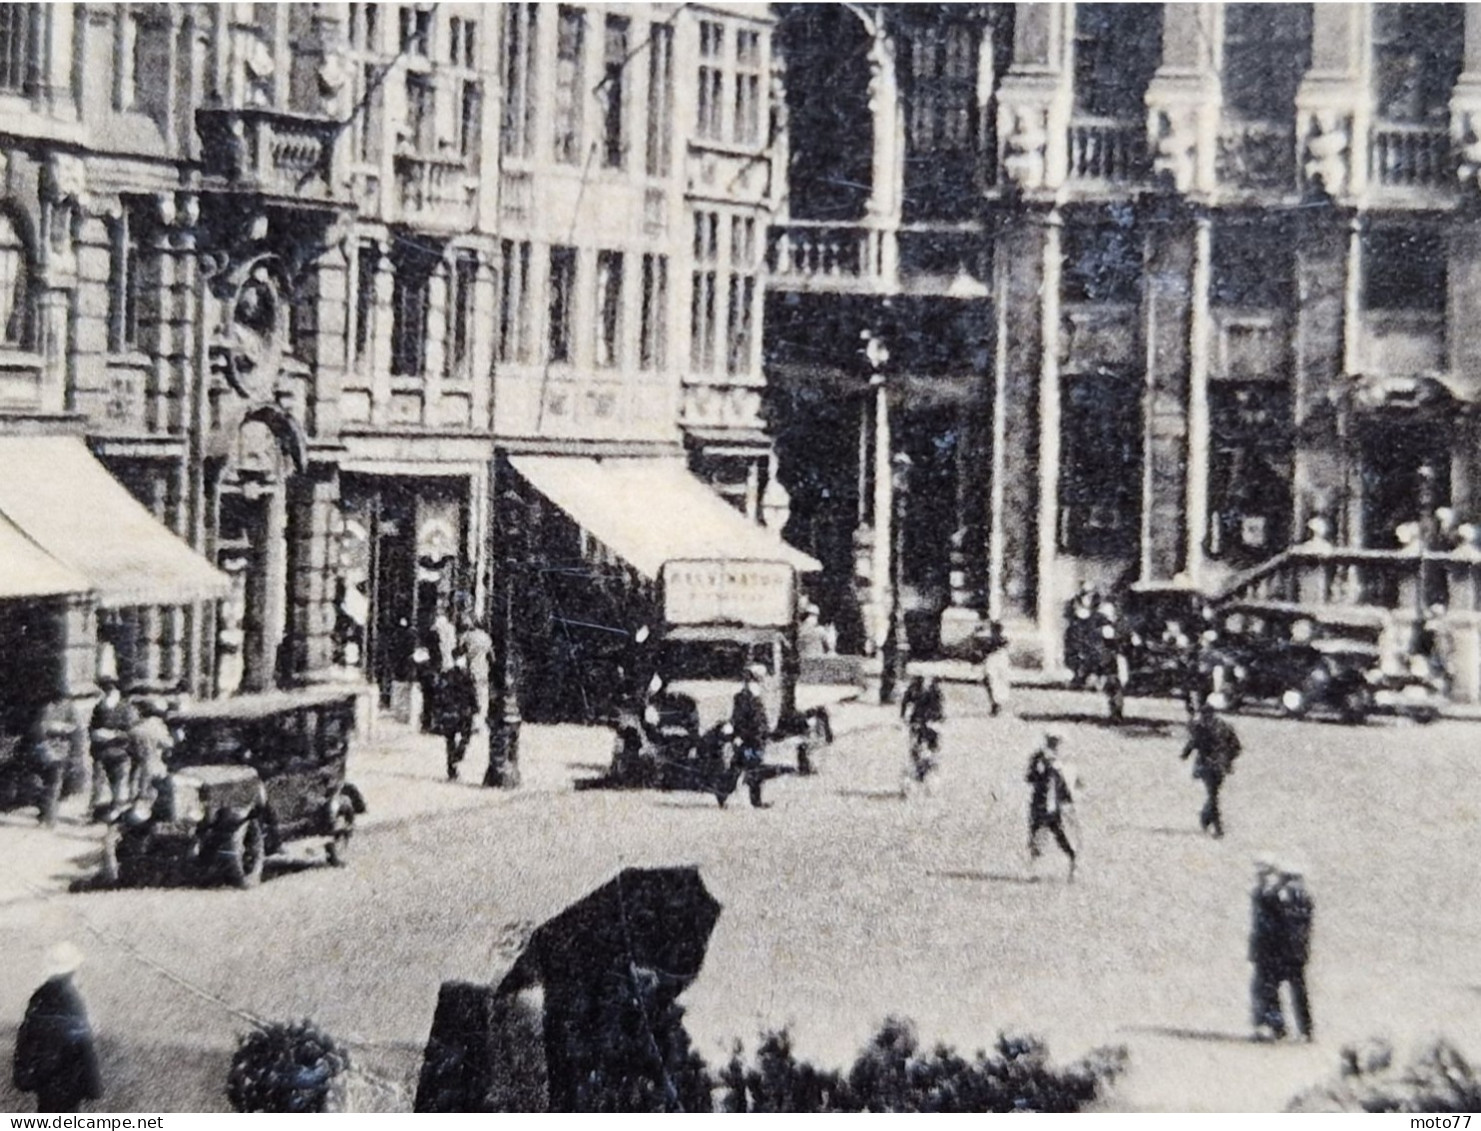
[[460, 315], [609, 309], [747, 87], [520, 26], [711, 106], [19, 47], [126, 281], [562, 291], [514, 301], [613, 93], [569, 95], [367, 263], [660, 100], [653, 333], [410, 304]]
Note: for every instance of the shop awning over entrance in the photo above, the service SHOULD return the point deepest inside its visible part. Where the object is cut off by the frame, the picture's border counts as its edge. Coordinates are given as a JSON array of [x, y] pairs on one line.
[[651, 511], [28, 571], [72, 509]]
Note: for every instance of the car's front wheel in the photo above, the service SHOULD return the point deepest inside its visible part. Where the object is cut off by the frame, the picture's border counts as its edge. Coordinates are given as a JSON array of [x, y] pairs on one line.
[[343, 829], [244, 854]]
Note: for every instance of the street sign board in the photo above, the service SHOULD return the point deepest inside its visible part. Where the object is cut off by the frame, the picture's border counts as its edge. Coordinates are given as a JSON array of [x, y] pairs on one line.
[[727, 591]]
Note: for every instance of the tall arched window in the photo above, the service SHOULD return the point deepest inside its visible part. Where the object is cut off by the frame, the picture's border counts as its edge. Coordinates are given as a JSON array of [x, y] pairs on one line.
[[15, 287]]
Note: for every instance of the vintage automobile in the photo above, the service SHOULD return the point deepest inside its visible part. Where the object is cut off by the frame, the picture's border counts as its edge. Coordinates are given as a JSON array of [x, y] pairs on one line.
[[1300, 659], [658, 746], [247, 775]]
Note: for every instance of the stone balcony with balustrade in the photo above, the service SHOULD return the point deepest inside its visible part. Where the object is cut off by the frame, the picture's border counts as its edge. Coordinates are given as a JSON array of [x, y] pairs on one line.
[[1107, 151], [270, 152], [1410, 158], [435, 193], [822, 257]]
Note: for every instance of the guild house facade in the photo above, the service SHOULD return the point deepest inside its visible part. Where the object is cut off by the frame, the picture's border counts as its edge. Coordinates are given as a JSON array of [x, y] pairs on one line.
[[1105, 294]]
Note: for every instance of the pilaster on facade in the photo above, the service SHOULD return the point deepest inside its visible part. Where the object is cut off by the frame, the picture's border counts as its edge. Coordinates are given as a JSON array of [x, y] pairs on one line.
[[1035, 99], [1333, 105], [1184, 100], [1465, 106]]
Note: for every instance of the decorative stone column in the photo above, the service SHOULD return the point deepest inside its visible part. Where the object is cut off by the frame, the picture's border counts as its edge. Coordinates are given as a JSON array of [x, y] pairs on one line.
[[1333, 107], [1166, 310], [1183, 100], [888, 118], [312, 497], [1200, 342], [1021, 255], [379, 361], [1323, 483]]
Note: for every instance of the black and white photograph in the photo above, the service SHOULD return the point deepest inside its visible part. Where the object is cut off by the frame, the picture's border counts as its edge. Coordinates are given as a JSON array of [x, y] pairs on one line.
[[740, 557]]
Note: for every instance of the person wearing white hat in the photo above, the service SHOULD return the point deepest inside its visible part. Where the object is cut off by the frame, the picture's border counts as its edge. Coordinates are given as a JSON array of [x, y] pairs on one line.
[[55, 1056]]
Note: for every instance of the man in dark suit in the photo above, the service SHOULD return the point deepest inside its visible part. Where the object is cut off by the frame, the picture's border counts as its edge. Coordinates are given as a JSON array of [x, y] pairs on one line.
[[1280, 946], [1213, 745], [54, 1052], [752, 729]]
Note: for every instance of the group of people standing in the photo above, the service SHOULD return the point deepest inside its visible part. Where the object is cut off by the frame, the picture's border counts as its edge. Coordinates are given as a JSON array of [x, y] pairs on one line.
[[125, 740]]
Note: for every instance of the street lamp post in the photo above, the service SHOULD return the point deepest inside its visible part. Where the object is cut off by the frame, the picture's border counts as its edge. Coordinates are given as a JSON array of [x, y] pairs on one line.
[[503, 769], [895, 651]]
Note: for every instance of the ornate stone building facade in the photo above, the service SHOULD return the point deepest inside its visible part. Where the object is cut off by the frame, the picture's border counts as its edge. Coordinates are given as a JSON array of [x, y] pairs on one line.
[[1156, 286], [306, 278]]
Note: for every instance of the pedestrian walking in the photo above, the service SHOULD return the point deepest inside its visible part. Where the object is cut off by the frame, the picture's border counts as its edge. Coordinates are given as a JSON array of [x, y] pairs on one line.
[[1214, 746], [752, 728], [923, 708], [1280, 946], [150, 741], [443, 641], [992, 657], [1051, 800], [478, 646], [456, 707], [1115, 659], [113, 718], [55, 1056], [54, 735]]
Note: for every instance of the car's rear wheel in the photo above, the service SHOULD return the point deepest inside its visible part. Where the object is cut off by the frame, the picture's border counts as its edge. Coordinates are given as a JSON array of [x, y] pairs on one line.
[[243, 856]]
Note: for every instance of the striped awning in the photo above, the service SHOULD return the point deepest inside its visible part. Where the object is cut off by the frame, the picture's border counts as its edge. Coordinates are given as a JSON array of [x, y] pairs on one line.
[[67, 505]]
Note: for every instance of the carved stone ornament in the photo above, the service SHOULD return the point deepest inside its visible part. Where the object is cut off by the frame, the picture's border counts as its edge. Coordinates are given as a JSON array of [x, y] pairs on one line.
[[1328, 139], [1468, 149], [1024, 147], [1176, 153], [65, 178], [248, 345]]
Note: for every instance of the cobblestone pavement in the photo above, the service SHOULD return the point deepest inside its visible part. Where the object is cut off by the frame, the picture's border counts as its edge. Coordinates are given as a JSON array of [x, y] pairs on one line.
[[843, 904]]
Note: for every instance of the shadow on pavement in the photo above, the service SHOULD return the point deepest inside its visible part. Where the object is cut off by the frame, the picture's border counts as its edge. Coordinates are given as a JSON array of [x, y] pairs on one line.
[[1132, 726], [986, 877], [1213, 1036]]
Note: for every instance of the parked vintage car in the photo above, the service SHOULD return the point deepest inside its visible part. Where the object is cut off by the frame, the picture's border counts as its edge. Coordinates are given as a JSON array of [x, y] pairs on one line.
[[1300, 659], [247, 776]]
